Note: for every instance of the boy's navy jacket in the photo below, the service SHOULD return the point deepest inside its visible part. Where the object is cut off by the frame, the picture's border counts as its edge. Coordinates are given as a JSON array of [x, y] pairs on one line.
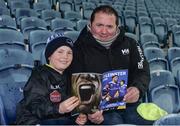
[[39, 101], [124, 53]]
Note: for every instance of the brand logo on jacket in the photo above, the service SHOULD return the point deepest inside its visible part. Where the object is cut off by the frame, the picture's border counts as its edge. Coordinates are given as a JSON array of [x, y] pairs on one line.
[[55, 96], [125, 51], [55, 87], [140, 63]]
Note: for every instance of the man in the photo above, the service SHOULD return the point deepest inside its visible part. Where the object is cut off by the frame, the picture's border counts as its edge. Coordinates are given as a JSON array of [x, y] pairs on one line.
[[102, 46]]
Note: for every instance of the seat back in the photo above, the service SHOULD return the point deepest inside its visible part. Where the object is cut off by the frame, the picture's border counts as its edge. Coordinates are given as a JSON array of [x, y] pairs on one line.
[[173, 52], [7, 22], [161, 77], [49, 15], [11, 94], [38, 40], [80, 24], [72, 34], [167, 97], [29, 24], [14, 57], [11, 39], [61, 25], [154, 52], [170, 119]]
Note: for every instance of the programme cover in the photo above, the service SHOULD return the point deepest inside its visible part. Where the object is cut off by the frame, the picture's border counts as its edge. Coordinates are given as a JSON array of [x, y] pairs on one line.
[[114, 86]]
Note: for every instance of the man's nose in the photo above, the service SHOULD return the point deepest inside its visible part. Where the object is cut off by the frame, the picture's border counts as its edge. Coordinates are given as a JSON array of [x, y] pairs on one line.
[[104, 30]]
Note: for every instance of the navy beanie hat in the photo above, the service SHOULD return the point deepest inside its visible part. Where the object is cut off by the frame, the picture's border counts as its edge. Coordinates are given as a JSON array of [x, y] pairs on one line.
[[55, 41]]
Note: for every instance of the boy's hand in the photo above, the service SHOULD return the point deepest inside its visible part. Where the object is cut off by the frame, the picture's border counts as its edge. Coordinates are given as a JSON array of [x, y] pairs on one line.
[[81, 119], [68, 105]]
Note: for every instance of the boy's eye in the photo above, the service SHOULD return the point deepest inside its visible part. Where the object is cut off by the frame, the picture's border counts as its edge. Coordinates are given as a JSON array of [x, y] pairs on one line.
[[69, 52], [60, 51]]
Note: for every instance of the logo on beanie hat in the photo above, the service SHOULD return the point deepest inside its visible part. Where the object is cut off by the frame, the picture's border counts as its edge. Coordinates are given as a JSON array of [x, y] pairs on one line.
[[52, 37], [55, 41]]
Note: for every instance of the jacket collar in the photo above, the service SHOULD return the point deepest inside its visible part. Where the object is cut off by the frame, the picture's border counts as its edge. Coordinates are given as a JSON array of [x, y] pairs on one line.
[[86, 38]]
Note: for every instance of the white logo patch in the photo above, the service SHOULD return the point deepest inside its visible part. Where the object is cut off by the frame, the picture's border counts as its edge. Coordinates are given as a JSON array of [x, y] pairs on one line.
[[125, 51]]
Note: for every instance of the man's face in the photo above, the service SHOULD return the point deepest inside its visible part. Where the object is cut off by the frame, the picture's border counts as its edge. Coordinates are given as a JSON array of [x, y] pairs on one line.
[[104, 26]]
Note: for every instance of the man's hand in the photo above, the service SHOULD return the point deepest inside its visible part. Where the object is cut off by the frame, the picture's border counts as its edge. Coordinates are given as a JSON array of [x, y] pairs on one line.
[[96, 117], [132, 95]]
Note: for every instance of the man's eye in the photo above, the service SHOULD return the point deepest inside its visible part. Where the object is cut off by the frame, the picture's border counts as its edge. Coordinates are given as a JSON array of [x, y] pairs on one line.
[[99, 25], [109, 26]]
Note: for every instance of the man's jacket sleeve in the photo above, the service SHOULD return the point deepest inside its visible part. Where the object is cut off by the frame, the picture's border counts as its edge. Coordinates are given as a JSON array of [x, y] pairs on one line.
[[140, 71]]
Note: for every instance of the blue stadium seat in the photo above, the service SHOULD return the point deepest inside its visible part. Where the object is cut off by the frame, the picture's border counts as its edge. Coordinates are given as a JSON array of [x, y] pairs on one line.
[[167, 97], [170, 22], [161, 77], [155, 14], [81, 24], [170, 119], [29, 24], [73, 16], [11, 94], [4, 11], [156, 58], [166, 15], [37, 41], [49, 15], [61, 25], [88, 6], [78, 4], [176, 35], [40, 6], [7, 22], [149, 40], [14, 56], [66, 5], [43, 59], [87, 13], [50, 2], [11, 39], [72, 34], [130, 20], [145, 25], [133, 36], [2, 3], [17, 4], [174, 60], [160, 29], [2, 113], [173, 52], [142, 14], [24, 12], [94, 1], [87, 9]]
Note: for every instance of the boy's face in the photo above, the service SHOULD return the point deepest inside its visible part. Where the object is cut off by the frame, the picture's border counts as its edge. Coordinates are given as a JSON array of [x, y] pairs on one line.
[[104, 26], [61, 58]]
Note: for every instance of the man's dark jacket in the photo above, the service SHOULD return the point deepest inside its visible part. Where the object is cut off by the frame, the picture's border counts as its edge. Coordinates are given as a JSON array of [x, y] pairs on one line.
[[124, 53]]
